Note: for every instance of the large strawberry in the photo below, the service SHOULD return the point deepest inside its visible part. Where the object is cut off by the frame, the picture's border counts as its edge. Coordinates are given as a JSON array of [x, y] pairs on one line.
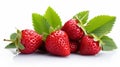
[[57, 43], [27, 41], [72, 29], [88, 46]]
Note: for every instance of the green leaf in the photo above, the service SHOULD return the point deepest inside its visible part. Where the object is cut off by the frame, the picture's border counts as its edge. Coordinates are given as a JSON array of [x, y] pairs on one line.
[[53, 18], [13, 36], [107, 43], [82, 16], [51, 29], [11, 45], [100, 25], [40, 24]]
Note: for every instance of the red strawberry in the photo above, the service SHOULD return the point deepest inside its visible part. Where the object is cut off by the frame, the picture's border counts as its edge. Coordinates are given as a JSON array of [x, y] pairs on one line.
[[72, 29], [73, 46], [31, 41], [57, 43], [88, 46], [27, 41]]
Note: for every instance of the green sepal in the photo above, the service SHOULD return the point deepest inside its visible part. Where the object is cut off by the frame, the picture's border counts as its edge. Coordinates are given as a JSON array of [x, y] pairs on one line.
[[13, 36], [21, 46], [11, 45]]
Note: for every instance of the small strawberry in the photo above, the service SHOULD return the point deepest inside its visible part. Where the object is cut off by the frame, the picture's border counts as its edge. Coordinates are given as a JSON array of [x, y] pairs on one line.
[[72, 29], [88, 46], [73, 46], [57, 43], [27, 41]]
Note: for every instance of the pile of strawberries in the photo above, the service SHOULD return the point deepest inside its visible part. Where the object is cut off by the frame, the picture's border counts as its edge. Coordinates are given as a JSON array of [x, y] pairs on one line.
[[70, 38]]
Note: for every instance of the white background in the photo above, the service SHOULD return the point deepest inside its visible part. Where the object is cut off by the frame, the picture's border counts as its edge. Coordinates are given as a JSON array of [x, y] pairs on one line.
[[17, 14]]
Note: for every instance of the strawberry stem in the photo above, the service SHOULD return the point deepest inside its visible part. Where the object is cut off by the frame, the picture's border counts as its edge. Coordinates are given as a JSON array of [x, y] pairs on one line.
[[7, 40]]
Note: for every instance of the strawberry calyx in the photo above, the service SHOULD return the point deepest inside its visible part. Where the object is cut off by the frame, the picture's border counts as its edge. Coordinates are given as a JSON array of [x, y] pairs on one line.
[[15, 41], [51, 29]]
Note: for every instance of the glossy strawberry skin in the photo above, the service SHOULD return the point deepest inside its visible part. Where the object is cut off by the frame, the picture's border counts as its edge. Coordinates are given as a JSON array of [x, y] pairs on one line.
[[88, 46], [73, 46], [30, 40], [57, 43], [71, 28]]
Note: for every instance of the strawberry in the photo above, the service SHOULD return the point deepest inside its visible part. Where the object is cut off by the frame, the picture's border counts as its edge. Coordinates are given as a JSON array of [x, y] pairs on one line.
[[31, 41], [88, 46], [73, 46], [57, 43], [27, 41], [72, 29]]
